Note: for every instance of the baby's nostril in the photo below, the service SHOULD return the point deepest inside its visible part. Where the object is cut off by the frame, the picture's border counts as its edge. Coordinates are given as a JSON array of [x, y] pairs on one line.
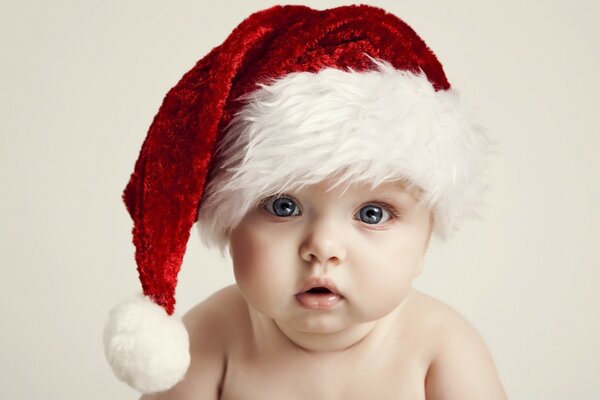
[[319, 290]]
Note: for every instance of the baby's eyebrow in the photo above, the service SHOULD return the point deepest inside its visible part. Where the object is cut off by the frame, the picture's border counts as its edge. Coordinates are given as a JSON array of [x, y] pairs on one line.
[[411, 195]]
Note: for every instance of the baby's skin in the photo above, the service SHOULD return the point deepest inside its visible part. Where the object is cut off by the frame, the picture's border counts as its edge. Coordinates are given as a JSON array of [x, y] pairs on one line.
[[323, 308]]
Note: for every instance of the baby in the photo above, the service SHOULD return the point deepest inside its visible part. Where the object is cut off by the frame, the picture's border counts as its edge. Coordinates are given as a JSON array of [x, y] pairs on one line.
[[323, 149]]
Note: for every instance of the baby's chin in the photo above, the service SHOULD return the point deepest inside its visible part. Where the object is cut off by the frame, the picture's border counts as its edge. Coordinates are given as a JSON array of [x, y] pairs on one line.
[[320, 324], [323, 322], [324, 334]]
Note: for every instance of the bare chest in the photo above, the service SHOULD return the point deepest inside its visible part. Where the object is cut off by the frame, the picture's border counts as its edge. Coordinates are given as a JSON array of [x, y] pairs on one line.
[[397, 375]]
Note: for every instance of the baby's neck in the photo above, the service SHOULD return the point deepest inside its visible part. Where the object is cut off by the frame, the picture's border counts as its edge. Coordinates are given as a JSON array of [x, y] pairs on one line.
[[269, 332]]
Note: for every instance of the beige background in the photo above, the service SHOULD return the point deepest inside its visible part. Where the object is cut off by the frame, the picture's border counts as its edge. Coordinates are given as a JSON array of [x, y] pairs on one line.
[[81, 81]]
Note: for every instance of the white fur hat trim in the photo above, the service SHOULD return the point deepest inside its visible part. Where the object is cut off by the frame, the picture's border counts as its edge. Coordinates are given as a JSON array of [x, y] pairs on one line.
[[145, 347]]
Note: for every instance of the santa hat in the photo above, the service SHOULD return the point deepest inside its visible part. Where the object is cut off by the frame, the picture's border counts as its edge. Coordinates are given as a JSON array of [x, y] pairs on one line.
[[292, 96]]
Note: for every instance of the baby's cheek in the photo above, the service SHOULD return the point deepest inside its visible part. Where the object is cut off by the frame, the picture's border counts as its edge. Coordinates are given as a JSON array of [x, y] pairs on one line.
[[381, 282], [261, 272], [250, 280], [245, 254]]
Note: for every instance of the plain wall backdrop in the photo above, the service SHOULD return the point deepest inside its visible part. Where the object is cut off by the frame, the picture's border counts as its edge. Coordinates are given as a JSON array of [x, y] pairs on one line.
[[82, 80]]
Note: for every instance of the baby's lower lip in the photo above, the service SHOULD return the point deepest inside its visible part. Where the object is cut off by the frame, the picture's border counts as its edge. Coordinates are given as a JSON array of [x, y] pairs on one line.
[[318, 301]]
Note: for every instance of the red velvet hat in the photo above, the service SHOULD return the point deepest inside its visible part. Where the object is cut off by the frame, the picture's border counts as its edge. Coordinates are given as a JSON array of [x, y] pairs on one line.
[[145, 347]]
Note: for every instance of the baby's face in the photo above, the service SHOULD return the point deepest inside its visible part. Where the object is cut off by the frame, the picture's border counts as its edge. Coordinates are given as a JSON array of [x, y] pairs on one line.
[[365, 245]]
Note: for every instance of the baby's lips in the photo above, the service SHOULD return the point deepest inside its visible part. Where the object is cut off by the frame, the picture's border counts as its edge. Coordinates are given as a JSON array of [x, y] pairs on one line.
[[318, 301], [322, 282]]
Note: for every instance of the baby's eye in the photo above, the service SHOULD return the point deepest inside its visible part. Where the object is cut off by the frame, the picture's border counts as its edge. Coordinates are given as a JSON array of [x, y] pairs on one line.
[[373, 214], [281, 207]]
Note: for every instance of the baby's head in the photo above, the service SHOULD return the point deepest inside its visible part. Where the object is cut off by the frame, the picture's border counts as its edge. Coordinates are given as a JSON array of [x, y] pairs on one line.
[[336, 175], [304, 126]]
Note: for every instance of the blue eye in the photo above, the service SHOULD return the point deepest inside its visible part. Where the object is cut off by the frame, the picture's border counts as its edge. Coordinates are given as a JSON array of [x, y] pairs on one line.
[[372, 214], [282, 207]]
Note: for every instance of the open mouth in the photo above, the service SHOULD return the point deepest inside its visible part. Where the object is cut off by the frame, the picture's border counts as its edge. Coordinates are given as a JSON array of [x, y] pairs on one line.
[[319, 294], [319, 289], [319, 285]]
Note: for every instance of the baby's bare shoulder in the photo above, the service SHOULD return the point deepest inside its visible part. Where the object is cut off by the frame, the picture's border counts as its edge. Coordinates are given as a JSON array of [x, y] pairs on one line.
[[211, 325], [216, 317], [423, 322], [461, 366], [430, 315]]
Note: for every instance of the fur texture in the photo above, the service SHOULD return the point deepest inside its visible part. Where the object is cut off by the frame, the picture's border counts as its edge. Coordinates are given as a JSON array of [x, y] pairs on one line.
[[145, 347], [370, 127]]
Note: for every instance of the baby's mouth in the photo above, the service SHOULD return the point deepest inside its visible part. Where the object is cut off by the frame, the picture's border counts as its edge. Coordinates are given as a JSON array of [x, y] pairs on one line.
[[315, 297], [319, 285], [319, 289]]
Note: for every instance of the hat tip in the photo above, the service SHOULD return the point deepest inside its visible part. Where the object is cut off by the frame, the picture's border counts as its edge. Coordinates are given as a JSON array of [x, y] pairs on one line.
[[146, 348]]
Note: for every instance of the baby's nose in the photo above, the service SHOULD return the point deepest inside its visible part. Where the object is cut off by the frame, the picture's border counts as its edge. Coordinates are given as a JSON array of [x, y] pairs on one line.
[[323, 244]]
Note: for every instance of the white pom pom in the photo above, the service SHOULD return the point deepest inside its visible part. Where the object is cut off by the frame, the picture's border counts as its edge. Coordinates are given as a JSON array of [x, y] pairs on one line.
[[145, 347]]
